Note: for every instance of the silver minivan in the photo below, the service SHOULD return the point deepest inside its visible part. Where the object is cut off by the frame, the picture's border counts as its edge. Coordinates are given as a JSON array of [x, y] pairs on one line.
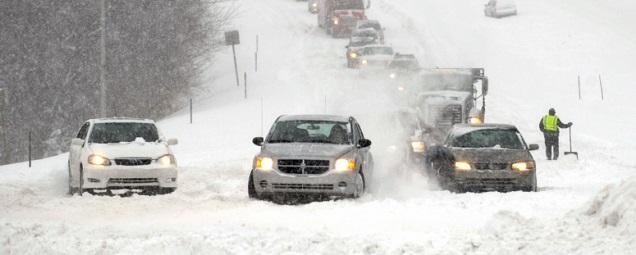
[[311, 156]]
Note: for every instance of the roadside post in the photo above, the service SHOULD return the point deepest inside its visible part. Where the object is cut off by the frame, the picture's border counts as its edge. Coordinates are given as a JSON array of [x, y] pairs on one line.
[[4, 150], [579, 82], [190, 110], [600, 82], [29, 149], [245, 83], [232, 38], [256, 56]]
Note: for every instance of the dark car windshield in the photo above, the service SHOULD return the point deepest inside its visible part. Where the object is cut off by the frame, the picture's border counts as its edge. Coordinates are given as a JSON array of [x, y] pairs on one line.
[[378, 51], [349, 5], [310, 131], [117, 132], [489, 138], [375, 26]]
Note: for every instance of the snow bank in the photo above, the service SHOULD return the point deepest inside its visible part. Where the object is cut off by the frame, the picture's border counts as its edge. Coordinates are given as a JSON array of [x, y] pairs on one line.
[[615, 207]]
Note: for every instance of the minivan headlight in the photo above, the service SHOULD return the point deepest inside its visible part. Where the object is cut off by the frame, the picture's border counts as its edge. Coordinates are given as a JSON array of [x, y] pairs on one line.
[[98, 160], [264, 164], [167, 160], [344, 164]]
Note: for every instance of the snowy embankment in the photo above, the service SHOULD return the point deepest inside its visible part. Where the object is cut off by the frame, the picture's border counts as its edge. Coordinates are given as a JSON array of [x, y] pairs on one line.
[[532, 61]]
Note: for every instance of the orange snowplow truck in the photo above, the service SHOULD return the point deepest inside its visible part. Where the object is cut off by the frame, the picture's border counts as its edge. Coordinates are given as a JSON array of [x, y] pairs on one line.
[[338, 17]]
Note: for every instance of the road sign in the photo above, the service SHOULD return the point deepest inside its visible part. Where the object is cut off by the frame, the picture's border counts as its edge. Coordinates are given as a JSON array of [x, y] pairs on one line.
[[232, 37]]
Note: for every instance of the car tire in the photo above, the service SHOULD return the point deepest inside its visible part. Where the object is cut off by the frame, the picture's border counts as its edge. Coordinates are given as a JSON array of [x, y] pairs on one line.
[[163, 191], [360, 185], [532, 187], [251, 190], [80, 187]]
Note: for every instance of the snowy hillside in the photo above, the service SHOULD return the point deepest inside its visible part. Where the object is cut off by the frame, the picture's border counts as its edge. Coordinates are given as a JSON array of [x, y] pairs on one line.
[[583, 206]]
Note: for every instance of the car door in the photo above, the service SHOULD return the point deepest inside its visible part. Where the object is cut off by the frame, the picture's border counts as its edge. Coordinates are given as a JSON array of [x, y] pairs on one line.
[[364, 152], [77, 144]]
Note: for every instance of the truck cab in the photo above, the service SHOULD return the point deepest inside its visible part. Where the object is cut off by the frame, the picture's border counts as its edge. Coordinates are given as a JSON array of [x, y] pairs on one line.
[[338, 17], [446, 97]]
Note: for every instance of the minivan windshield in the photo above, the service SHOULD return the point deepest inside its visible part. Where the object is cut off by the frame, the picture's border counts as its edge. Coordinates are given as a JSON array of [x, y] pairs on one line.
[[489, 138], [310, 131], [118, 132]]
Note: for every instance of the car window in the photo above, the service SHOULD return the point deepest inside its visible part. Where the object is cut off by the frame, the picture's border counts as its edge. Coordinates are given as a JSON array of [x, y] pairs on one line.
[[310, 131], [120, 132], [83, 130], [378, 51], [489, 138]]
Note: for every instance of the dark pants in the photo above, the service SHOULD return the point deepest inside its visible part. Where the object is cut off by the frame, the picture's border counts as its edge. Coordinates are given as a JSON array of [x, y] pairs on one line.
[[551, 145]]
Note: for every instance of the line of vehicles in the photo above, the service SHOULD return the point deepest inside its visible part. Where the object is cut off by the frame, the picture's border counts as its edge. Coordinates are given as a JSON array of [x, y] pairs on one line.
[[328, 156]]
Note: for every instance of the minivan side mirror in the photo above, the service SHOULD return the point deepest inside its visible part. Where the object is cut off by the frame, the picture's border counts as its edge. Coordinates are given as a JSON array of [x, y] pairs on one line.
[[363, 143], [258, 141], [173, 141], [533, 147], [77, 142]]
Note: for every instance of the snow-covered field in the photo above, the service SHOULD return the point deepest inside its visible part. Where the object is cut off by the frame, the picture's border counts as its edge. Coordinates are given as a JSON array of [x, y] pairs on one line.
[[532, 60]]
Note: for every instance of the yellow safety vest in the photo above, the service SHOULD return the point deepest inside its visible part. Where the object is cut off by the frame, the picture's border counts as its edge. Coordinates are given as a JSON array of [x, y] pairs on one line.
[[550, 122]]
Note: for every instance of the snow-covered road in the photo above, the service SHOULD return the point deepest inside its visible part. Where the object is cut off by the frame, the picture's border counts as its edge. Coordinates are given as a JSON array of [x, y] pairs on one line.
[[532, 61]]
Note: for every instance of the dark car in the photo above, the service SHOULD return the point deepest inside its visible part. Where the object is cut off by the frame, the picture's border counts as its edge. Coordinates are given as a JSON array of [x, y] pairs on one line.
[[484, 157]]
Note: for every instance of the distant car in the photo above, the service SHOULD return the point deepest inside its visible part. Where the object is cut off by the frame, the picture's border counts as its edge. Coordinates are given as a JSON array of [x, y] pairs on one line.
[[484, 157], [121, 153], [375, 56], [357, 40], [403, 64], [312, 6], [370, 24], [311, 155], [500, 8]]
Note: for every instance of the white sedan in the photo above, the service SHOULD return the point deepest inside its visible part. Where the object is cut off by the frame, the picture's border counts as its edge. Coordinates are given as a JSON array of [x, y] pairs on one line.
[[115, 153]]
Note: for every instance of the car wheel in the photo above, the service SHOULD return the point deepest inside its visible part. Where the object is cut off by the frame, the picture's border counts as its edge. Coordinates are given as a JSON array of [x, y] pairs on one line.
[[251, 190], [532, 187], [359, 185], [163, 191], [80, 188]]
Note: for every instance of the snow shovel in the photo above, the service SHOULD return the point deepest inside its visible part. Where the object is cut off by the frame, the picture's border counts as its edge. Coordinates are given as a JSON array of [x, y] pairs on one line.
[[571, 152]]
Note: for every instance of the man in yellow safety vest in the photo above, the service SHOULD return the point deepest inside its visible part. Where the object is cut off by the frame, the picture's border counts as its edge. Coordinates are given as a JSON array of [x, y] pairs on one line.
[[550, 125]]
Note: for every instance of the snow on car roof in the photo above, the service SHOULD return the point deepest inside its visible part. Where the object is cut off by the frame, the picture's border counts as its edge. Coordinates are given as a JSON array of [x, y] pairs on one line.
[[336, 118], [121, 119], [460, 129]]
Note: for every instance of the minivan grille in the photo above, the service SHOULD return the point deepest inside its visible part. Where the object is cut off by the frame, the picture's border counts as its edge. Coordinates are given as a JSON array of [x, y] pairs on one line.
[[133, 161], [303, 166], [132, 180], [302, 186]]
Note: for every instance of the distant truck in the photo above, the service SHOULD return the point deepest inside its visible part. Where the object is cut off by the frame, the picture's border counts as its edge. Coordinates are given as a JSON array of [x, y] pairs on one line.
[[444, 97], [338, 17]]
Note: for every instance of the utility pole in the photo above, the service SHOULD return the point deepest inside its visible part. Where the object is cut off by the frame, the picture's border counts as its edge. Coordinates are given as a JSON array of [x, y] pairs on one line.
[[102, 61], [4, 149]]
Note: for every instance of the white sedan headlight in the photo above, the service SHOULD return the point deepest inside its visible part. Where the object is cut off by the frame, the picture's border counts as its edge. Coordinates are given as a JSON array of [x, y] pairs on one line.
[[167, 160], [98, 160], [264, 164], [343, 165]]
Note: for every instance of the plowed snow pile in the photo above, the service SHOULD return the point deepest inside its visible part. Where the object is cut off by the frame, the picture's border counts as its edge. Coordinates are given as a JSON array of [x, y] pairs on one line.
[[607, 225]]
